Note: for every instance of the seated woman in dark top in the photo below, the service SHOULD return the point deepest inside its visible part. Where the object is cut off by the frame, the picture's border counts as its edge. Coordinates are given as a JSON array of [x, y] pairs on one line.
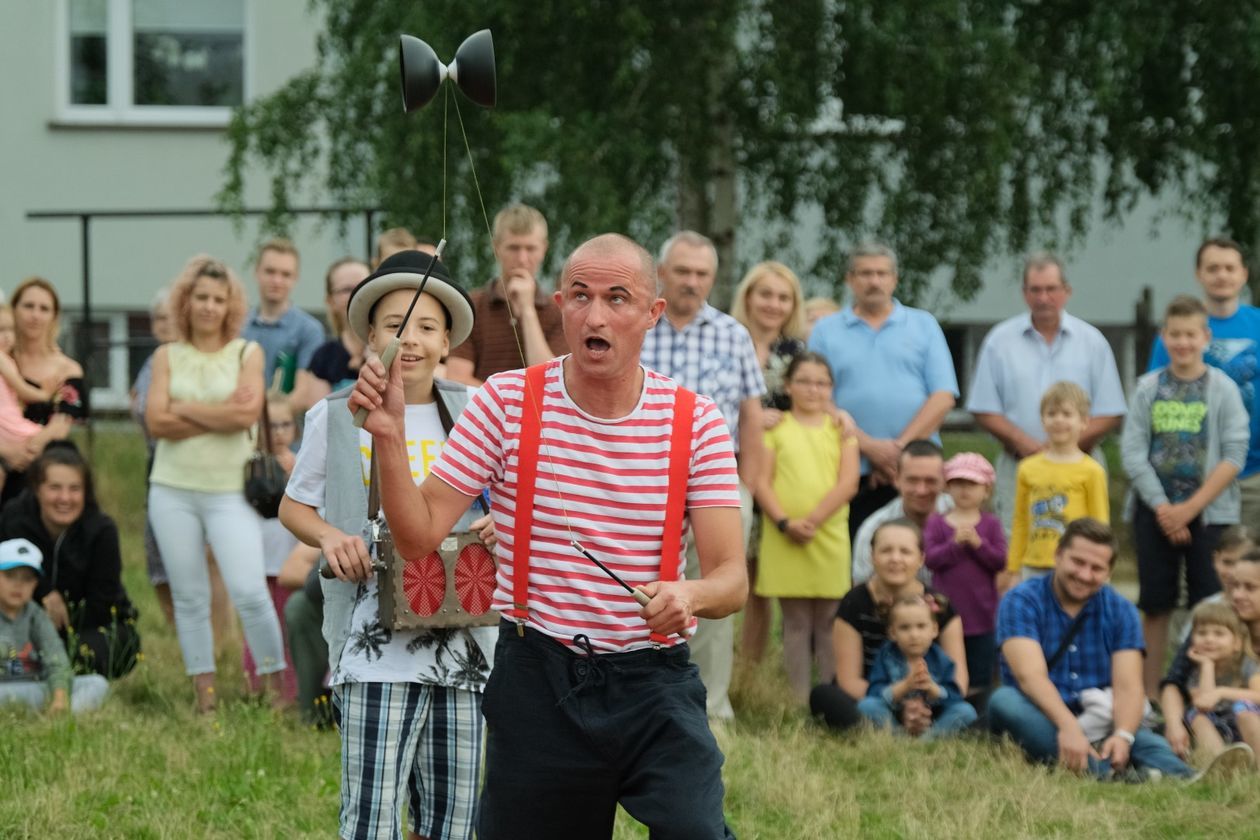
[[861, 627], [37, 316], [81, 589], [335, 364]]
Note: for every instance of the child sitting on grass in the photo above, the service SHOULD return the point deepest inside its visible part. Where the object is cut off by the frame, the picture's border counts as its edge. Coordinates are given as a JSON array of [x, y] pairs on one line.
[[34, 667], [1234, 542], [1223, 688], [911, 667]]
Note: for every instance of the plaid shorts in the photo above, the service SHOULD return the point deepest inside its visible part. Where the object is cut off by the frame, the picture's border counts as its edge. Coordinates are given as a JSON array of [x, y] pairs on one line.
[[1225, 722], [420, 740]]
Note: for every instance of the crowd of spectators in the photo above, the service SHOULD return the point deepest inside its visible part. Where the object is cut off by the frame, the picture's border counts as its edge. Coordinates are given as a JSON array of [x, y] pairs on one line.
[[917, 593]]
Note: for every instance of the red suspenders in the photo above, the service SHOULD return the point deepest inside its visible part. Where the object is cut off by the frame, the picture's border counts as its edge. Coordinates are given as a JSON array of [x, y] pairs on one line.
[[527, 474]]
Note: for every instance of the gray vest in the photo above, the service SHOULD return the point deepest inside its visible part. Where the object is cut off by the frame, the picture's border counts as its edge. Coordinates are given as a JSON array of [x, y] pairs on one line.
[[346, 503]]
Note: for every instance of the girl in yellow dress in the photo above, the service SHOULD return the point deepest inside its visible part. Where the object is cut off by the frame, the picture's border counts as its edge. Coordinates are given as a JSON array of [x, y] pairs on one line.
[[810, 476]]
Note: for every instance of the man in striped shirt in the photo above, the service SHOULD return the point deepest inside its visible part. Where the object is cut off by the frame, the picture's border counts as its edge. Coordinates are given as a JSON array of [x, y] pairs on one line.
[[592, 701], [711, 353]]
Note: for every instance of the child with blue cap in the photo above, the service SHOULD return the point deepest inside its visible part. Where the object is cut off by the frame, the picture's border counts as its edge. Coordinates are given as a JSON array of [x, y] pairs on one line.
[[34, 667]]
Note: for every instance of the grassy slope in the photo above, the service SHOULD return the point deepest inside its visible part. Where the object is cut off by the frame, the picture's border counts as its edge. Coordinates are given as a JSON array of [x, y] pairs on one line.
[[147, 767]]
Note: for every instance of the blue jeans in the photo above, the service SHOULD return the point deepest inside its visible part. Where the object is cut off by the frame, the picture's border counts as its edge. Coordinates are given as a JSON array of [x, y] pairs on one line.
[[1011, 713], [952, 718]]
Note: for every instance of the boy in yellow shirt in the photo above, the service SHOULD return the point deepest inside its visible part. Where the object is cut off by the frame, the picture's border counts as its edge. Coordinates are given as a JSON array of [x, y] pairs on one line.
[[1055, 486]]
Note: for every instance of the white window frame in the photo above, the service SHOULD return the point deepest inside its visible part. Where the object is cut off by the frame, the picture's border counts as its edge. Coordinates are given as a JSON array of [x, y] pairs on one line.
[[121, 110]]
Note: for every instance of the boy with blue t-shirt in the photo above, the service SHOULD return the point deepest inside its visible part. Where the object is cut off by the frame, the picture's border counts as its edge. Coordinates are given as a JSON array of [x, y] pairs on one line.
[[1185, 441]]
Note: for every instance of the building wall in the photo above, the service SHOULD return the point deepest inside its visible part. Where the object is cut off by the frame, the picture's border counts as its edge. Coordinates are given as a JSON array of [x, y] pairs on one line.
[[48, 164]]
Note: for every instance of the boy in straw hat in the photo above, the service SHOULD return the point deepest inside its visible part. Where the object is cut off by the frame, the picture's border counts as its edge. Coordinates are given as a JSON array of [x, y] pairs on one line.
[[409, 702]]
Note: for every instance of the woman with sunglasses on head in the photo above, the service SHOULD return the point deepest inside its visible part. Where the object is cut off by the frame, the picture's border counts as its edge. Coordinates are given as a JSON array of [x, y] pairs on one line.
[[206, 395]]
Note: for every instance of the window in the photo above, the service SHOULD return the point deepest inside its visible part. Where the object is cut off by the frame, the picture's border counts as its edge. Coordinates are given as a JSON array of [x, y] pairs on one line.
[[158, 62]]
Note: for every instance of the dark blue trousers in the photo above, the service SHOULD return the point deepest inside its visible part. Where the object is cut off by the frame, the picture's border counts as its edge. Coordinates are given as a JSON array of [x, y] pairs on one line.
[[569, 736]]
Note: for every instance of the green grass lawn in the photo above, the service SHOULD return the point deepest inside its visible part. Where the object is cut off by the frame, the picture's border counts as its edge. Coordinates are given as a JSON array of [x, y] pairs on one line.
[[145, 766]]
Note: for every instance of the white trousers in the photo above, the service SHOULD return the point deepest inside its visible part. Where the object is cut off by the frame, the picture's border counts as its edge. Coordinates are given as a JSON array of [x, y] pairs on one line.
[[183, 522]]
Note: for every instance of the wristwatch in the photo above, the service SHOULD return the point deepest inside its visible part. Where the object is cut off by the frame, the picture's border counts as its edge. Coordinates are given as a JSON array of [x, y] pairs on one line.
[[1125, 735], [782, 525]]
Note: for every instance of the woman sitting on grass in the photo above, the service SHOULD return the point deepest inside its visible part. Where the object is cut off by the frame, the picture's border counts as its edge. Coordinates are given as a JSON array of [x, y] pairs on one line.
[[860, 629], [81, 587]]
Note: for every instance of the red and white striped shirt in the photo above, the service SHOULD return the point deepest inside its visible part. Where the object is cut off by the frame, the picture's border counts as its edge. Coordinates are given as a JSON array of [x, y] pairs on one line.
[[602, 481]]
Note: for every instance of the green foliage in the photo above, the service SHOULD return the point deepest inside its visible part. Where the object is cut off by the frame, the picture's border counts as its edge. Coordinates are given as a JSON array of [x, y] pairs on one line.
[[956, 130]]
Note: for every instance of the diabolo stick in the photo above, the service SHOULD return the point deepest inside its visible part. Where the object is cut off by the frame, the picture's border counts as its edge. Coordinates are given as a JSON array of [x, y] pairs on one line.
[[391, 349]]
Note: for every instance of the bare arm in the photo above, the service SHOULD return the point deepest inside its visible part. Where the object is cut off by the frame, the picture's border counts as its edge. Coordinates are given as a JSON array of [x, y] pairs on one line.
[[1012, 437], [26, 392], [1174, 708], [1129, 699], [297, 566], [751, 442], [158, 417], [307, 390], [846, 484], [847, 644], [927, 421], [240, 411], [1096, 429], [534, 342], [461, 370], [723, 584]]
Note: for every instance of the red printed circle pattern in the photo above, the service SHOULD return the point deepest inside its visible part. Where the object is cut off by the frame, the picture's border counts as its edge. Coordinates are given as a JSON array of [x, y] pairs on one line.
[[424, 584], [474, 579]]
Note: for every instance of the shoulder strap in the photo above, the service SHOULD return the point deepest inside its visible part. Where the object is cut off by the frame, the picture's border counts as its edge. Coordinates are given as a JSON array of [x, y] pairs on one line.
[[1073, 629], [676, 496], [532, 399]]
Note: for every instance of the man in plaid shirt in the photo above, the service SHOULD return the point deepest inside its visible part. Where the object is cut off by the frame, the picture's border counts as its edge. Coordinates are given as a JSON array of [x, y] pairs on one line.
[[709, 352]]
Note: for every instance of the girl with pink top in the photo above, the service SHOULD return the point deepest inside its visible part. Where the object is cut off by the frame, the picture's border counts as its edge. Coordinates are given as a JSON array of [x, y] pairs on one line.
[[965, 549]]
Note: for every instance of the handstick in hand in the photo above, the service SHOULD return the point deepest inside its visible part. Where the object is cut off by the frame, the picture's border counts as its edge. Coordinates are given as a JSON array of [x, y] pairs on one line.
[[391, 350]]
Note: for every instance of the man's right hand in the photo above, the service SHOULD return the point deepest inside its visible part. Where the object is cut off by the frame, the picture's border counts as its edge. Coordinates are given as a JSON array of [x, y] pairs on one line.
[[1075, 749], [521, 288], [347, 556], [882, 454]]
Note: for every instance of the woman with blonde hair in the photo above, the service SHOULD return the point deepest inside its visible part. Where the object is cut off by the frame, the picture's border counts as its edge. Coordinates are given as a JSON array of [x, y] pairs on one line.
[[769, 303], [206, 394]]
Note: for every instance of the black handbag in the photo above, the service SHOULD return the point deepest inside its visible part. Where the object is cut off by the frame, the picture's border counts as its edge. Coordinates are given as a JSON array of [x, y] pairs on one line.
[[265, 480]]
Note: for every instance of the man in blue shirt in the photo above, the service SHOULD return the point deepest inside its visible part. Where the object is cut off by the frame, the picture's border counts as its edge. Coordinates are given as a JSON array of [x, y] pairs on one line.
[[1063, 636], [288, 335], [711, 353], [1023, 356], [1235, 348], [892, 370]]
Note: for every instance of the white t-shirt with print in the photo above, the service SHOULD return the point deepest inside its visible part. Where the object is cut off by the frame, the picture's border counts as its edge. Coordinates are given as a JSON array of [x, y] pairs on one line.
[[453, 658]]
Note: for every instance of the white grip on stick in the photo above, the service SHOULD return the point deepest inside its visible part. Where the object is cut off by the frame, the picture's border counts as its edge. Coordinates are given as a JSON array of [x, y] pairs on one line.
[[387, 359]]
